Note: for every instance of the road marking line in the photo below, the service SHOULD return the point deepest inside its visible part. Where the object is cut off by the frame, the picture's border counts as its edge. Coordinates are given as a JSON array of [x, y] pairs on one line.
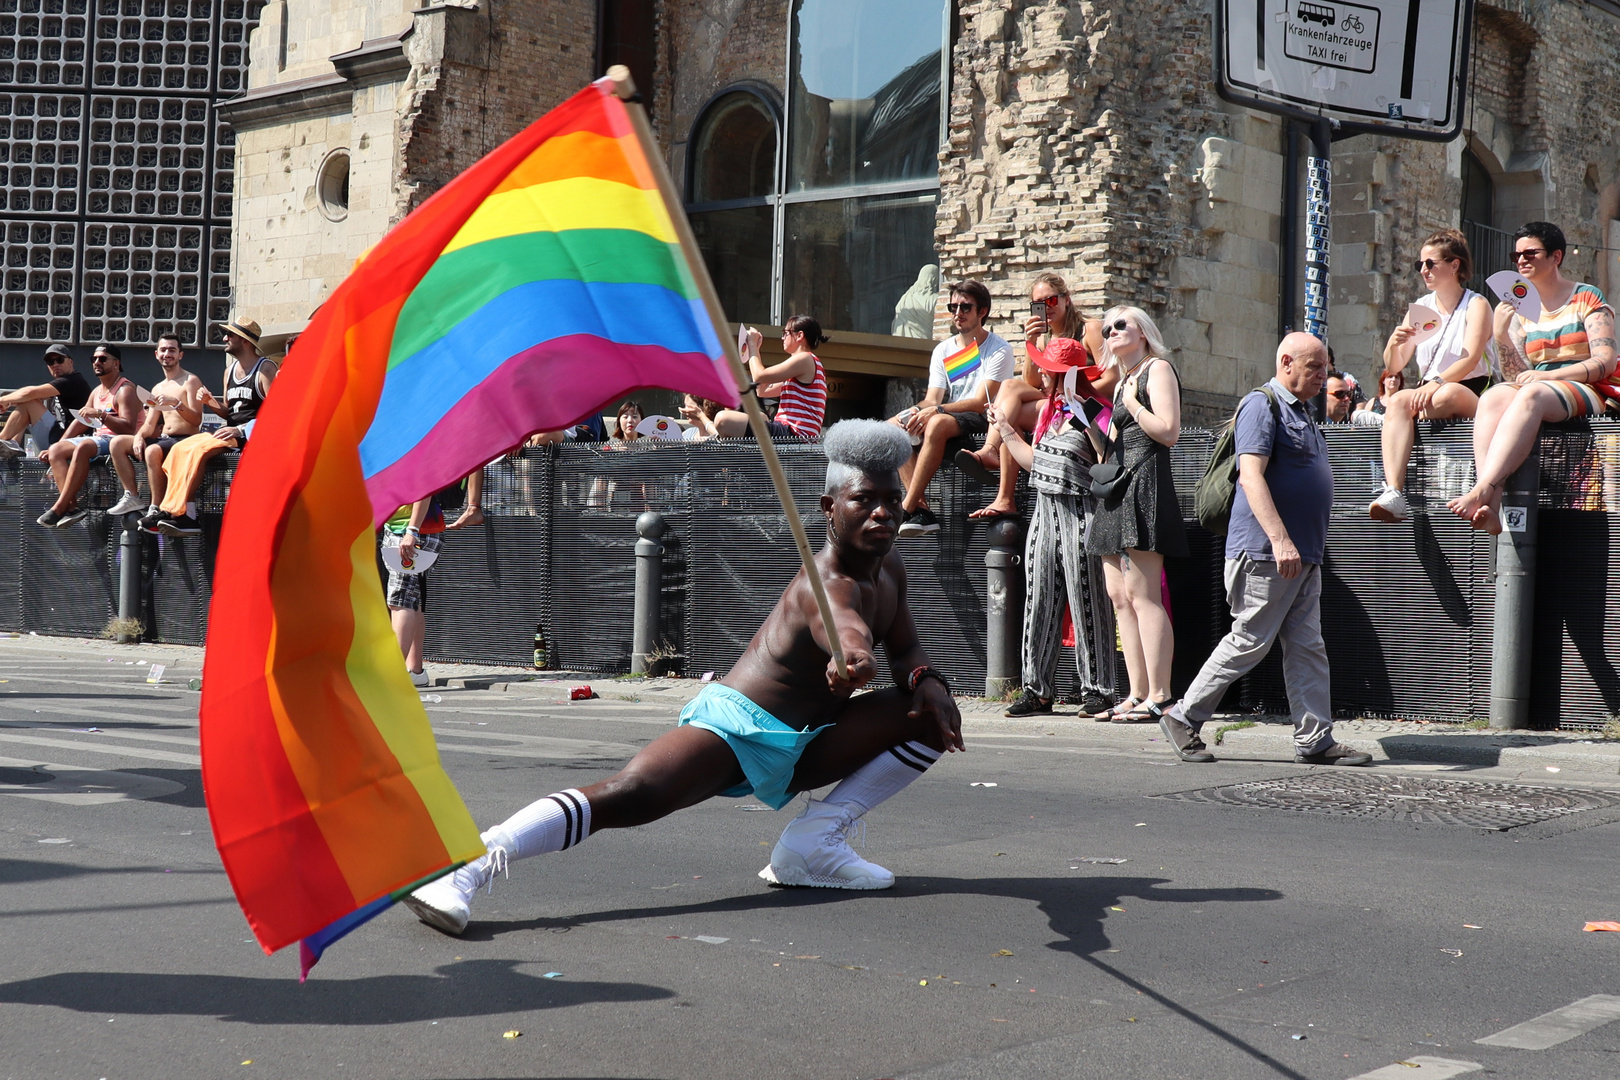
[[98, 748], [531, 746], [1560, 1025], [1421, 1067]]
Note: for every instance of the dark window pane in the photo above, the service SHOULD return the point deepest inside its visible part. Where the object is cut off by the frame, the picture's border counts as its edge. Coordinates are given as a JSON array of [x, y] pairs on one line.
[[734, 153], [736, 245], [849, 261], [865, 93]]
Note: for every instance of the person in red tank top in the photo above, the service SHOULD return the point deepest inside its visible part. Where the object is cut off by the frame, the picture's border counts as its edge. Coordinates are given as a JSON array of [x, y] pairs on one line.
[[803, 403], [114, 409]]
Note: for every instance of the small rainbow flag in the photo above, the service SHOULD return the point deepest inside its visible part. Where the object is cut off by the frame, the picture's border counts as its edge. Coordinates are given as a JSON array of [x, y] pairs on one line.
[[962, 364], [543, 282]]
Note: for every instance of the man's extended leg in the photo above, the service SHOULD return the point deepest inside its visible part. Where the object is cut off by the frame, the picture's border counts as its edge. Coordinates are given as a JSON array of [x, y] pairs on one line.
[[878, 749], [156, 479], [1260, 600], [680, 768], [940, 429], [1305, 666], [75, 469], [20, 419]]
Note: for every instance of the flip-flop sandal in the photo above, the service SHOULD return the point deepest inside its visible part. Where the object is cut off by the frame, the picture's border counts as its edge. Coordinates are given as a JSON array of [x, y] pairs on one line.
[[992, 517], [971, 467], [1140, 713], [1123, 707]]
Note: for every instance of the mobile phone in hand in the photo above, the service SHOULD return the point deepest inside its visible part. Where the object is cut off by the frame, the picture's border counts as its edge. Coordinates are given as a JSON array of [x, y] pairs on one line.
[[1037, 308]]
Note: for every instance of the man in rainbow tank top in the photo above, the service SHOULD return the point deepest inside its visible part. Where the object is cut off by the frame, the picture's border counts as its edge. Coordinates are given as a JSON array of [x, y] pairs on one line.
[[1560, 366], [964, 374], [783, 720]]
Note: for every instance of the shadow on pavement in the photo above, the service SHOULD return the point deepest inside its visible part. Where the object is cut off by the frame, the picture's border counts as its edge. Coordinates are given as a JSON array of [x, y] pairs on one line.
[[21, 871], [1483, 749], [465, 988]]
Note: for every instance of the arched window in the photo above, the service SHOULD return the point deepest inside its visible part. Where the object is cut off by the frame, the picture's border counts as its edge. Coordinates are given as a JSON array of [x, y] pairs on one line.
[[732, 199], [1491, 247]]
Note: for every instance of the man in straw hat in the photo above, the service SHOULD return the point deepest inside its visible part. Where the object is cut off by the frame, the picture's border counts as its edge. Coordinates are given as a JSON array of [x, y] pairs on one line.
[[247, 380], [782, 720]]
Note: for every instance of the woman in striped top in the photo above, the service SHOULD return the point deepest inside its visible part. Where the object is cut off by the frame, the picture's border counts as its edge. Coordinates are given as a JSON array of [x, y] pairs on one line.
[[1562, 366], [803, 403]]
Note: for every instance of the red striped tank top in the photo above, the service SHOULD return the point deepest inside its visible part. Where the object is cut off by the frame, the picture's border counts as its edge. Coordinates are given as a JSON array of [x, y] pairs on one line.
[[803, 406]]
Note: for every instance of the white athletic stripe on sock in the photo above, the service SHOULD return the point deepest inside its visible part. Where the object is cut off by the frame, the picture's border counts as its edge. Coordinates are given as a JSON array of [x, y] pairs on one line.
[[1560, 1025], [1421, 1067]]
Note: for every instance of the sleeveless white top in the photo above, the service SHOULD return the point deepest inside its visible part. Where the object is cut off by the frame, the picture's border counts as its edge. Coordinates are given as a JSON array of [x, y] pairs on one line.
[[1441, 351]]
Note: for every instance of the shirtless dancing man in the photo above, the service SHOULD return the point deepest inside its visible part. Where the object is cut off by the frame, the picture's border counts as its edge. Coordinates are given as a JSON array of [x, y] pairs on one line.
[[781, 721]]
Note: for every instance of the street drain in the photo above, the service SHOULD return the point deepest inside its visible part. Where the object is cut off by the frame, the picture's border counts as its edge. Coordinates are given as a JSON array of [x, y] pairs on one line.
[[1379, 796]]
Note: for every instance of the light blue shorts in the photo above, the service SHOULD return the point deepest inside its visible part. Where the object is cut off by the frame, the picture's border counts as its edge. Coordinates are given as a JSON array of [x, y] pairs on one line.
[[102, 443], [767, 749]]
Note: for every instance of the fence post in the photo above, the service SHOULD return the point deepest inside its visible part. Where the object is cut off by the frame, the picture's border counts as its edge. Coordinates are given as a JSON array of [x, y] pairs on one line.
[[1515, 597], [129, 577], [1004, 608], [651, 527]]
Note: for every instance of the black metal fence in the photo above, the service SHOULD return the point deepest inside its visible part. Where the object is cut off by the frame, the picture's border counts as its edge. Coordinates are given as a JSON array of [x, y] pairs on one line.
[[1407, 608]]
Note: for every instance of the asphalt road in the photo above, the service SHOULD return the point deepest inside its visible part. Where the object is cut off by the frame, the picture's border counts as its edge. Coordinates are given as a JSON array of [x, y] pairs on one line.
[[1232, 942]]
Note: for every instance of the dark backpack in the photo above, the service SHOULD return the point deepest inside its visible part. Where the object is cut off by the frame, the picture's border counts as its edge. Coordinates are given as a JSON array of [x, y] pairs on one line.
[[1217, 488]]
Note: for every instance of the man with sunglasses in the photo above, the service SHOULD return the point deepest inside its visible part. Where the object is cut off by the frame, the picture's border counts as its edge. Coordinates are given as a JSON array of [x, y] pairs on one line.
[[42, 410], [1560, 365], [1340, 398], [963, 375], [114, 409]]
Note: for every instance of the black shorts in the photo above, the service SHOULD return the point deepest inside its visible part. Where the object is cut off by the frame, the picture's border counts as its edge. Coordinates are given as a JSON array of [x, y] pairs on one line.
[[1477, 385], [970, 424], [778, 431], [166, 442]]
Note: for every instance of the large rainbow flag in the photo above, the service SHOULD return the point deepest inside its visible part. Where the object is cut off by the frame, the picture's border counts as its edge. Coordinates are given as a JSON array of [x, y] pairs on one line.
[[542, 283]]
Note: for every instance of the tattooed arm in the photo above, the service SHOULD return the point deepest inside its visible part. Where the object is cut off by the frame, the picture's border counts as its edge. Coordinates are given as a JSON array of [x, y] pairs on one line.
[[1601, 340], [1510, 350]]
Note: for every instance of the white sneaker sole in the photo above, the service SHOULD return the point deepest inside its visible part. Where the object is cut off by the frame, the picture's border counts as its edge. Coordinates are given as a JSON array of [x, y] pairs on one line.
[[449, 921], [791, 878]]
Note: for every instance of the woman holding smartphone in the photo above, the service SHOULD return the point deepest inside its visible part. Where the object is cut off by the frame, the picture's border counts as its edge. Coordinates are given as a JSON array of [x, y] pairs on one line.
[[1059, 456], [1052, 318]]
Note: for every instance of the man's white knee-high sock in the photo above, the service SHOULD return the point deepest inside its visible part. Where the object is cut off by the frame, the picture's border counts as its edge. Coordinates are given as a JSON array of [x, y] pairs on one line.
[[884, 777], [554, 823]]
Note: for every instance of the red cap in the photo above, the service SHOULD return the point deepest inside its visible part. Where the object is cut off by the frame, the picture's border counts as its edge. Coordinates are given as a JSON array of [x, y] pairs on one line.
[[1062, 356]]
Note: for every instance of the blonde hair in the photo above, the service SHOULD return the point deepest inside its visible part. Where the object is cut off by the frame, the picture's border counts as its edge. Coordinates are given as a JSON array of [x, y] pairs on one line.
[[1144, 322]]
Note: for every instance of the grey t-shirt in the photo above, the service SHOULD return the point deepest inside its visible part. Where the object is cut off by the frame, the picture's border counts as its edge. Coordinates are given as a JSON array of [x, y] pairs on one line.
[[1298, 474]]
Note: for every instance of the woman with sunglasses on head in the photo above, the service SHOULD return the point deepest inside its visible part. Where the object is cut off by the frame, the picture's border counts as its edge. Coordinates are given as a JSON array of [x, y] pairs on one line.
[[1453, 364], [1052, 317], [1561, 364], [1139, 522]]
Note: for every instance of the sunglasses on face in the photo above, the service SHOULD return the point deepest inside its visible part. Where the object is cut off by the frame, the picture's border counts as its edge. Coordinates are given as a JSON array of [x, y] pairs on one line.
[[1120, 326], [1529, 253], [1425, 265], [962, 308], [1342, 395], [1049, 301], [55, 361]]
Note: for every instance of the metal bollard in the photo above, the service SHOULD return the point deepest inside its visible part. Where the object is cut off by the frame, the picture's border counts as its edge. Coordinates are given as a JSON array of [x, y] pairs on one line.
[[1004, 608], [1514, 632], [651, 527], [129, 574]]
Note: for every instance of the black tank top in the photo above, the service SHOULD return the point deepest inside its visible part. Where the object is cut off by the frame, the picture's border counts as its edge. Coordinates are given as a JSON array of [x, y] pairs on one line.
[[242, 397]]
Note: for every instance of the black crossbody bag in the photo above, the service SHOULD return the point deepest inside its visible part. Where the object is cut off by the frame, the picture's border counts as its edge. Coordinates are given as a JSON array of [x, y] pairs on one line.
[[1109, 478]]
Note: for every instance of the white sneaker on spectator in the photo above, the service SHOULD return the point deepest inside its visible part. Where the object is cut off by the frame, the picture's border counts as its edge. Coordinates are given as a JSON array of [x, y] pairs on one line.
[[814, 851], [1391, 505], [130, 503], [10, 448], [421, 678]]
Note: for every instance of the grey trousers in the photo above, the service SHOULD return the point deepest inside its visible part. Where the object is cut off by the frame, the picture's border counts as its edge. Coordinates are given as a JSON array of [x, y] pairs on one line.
[[1266, 606], [1057, 567]]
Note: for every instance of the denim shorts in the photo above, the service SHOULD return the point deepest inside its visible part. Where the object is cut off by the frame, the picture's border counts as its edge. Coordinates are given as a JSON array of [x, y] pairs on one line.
[[103, 443], [767, 749]]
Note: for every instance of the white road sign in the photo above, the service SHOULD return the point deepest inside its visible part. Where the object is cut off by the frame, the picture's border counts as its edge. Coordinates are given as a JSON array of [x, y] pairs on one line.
[[1389, 64]]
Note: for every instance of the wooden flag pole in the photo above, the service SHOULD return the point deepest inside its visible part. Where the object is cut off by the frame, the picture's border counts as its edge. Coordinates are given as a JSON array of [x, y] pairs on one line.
[[625, 88]]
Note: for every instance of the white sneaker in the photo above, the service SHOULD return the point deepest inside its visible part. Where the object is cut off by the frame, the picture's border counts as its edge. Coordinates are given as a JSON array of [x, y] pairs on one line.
[[1390, 506], [130, 503], [421, 678], [10, 448], [446, 903], [814, 851]]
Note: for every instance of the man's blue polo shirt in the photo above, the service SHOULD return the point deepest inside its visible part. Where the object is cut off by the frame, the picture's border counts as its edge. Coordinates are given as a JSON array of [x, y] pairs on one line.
[[1298, 474]]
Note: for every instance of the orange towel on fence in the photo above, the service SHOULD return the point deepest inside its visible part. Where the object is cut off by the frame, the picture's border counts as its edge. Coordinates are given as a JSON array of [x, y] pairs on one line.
[[184, 464]]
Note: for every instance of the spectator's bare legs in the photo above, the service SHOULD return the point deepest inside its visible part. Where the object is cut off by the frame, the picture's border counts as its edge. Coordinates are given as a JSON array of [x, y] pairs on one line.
[[1144, 626], [70, 464], [1401, 415], [472, 514], [156, 479], [410, 627], [122, 449], [1505, 429], [20, 419], [1022, 408], [926, 459]]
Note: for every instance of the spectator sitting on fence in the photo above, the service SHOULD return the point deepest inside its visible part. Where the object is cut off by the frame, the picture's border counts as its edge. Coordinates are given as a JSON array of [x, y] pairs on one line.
[[1341, 398], [1453, 365], [247, 380], [419, 527], [1020, 400], [42, 410], [175, 410], [700, 414], [1561, 363], [115, 408], [964, 374], [803, 402]]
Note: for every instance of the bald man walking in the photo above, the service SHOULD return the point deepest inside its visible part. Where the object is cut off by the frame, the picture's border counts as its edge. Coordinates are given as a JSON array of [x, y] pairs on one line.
[[1275, 544]]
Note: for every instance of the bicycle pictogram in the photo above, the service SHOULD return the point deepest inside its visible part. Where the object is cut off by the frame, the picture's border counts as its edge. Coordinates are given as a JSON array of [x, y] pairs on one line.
[[1352, 23]]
